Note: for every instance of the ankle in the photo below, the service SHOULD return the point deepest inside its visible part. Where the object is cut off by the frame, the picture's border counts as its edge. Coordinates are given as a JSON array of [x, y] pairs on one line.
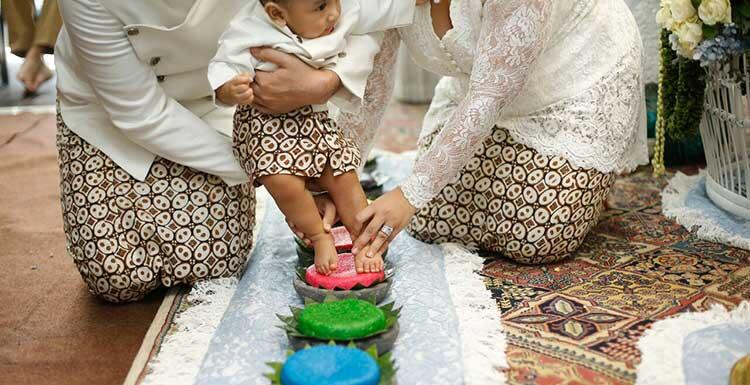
[[319, 238], [34, 53]]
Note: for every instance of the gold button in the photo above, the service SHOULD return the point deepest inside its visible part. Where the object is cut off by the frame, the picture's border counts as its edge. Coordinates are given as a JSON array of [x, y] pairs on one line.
[[133, 31], [160, 78], [155, 60]]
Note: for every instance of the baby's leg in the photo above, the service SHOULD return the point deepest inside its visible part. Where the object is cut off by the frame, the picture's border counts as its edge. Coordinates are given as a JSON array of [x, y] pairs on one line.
[[350, 199], [298, 206]]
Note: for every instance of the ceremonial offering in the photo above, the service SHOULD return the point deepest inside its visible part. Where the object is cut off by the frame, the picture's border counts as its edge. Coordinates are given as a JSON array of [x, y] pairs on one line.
[[334, 365], [343, 321], [344, 282], [342, 240]]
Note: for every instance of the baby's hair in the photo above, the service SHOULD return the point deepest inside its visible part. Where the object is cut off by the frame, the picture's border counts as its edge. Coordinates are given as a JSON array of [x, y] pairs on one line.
[[264, 2]]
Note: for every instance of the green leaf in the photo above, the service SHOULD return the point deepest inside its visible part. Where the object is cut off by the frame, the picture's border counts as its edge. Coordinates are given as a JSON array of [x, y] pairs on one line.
[[743, 9], [710, 31]]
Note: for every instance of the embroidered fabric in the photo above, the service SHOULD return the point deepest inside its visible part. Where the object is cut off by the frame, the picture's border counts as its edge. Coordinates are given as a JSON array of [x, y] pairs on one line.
[[361, 126], [563, 77]]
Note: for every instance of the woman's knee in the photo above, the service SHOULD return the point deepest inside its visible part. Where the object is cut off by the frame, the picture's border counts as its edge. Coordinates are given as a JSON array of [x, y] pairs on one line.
[[557, 243], [113, 281]]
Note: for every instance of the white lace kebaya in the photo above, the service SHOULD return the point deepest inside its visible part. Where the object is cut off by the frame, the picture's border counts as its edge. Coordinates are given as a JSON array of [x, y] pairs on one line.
[[564, 77]]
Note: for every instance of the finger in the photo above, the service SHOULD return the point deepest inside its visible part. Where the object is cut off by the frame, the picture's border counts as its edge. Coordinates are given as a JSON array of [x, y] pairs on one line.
[[244, 93], [334, 264], [362, 217], [270, 55], [359, 263], [242, 79], [329, 216], [369, 233], [246, 98], [240, 88], [383, 249], [365, 215], [380, 239]]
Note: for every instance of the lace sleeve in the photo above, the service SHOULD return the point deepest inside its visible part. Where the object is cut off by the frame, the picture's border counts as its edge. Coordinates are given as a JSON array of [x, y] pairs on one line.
[[362, 125], [512, 37]]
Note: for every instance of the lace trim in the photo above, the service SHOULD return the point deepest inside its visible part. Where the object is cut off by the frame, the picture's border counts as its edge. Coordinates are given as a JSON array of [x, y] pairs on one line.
[[603, 128]]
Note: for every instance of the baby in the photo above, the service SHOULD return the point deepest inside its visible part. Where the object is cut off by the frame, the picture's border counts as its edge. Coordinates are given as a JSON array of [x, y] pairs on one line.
[[283, 152]]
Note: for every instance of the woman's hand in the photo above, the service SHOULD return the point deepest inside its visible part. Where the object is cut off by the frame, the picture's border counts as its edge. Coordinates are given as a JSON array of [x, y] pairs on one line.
[[293, 85], [327, 211], [391, 209]]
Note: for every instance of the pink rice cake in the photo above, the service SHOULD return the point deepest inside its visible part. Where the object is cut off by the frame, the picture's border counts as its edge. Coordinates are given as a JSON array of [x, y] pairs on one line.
[[342, 239], [345, 277]]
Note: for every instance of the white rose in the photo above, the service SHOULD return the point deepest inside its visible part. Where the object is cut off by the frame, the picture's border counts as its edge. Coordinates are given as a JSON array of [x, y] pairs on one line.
[[682, 10], [715, 11], [664, 18], [688, 36]]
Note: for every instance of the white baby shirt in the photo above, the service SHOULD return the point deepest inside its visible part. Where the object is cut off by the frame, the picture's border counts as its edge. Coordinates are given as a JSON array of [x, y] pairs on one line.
[[253, 28]]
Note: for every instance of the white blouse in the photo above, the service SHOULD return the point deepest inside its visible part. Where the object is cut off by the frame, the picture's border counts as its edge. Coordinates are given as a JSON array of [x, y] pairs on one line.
[[564, 77]]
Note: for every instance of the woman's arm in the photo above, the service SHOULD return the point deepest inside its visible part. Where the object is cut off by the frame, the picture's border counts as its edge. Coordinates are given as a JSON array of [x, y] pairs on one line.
[[361, 126], [130, 94], [512, 37]]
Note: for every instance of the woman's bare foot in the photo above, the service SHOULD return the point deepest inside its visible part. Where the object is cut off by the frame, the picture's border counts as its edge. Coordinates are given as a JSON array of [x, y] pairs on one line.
[[33, 72], [326, 258], [365, 264]]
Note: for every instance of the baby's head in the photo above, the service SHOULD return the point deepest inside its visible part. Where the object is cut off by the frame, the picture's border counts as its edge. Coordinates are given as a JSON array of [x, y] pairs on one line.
[[309, 19]]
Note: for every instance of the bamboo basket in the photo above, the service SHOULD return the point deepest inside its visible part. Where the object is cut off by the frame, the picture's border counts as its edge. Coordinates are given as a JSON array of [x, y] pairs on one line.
[[725, 130]]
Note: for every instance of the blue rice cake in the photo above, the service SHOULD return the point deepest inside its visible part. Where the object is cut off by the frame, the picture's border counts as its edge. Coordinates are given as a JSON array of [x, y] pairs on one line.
[[330, 365]]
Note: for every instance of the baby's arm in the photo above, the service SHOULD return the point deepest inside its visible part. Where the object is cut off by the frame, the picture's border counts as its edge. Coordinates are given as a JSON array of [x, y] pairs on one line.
[[233, 56], [382, 15], [236, 91]]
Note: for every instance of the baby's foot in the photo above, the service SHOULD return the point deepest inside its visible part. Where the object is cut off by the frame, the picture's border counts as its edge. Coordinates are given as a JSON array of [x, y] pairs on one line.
[[326, 259], [365, 264]]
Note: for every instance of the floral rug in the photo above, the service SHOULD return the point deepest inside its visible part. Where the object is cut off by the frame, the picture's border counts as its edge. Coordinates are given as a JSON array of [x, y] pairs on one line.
[[579, 321]]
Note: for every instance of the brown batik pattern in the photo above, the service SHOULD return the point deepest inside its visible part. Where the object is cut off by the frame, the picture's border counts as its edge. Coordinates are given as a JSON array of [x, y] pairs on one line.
[[302, 142], [127, 237], [512, 200]]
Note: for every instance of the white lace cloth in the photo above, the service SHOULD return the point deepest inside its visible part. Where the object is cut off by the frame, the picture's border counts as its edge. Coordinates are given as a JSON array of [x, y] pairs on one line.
[[564, 78]]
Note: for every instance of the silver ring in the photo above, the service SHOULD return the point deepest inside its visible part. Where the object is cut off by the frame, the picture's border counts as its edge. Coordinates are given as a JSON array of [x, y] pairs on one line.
[[387, 230]]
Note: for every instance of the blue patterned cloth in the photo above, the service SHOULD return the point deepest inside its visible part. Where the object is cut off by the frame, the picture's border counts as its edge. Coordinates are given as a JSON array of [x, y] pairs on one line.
[[697, 199], [709, 354], [428, 349]]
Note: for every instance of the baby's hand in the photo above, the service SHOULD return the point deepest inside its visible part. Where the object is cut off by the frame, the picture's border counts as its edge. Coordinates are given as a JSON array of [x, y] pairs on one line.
[[236, 91]]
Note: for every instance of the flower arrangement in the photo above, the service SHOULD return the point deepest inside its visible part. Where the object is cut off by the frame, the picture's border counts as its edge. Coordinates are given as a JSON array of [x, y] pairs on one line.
[[704, 30], [696, 34]]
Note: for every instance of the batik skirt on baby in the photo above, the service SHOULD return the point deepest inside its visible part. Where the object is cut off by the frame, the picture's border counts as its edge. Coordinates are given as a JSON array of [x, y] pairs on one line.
[[302, 142]]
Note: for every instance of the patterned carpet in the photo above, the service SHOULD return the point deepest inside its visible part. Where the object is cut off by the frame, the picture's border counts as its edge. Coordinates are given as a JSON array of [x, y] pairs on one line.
[[578, 321]]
